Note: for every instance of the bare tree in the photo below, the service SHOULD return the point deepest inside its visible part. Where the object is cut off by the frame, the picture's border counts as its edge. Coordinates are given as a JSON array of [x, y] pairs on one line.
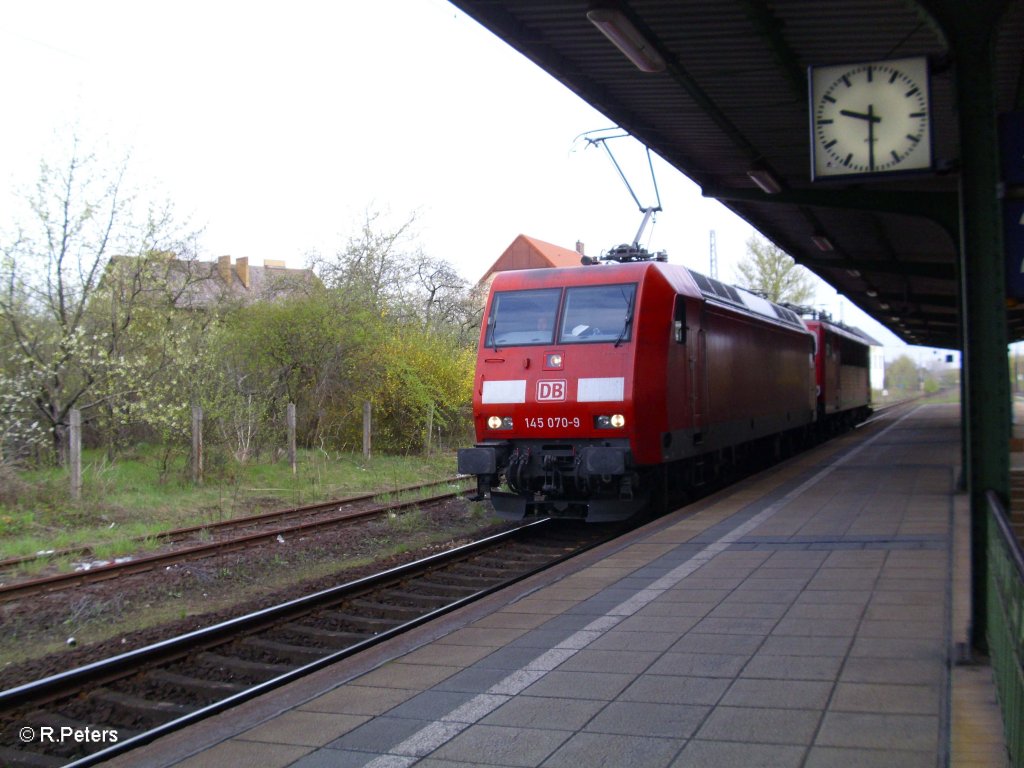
[[78, 216], [768, 270]]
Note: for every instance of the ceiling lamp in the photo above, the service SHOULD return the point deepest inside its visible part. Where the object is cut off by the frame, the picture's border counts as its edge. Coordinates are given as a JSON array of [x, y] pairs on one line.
[[624, 36], [822, 242], [764, 178]]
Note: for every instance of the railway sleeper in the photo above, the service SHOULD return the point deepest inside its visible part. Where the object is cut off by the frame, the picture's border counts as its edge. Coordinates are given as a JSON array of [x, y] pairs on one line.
[[323, 635], [468, 579], [367, 623], [214, 689], [400, 613], [161, 711], [428, 601], [258, 670], [299, 654], [448, 591]]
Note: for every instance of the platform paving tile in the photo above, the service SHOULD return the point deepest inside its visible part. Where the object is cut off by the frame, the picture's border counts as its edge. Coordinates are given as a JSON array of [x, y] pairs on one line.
[[901, 630], [677, 624], [734, 609], [698, 664], [589, 660], [490, 636], [880, 698], [673, 689], [897, 648], [545, 712], [304, 728], [774, 667], [778, 694], [448, 655], [896, 671], [831, 757], [805, 645], [758, 594], [473, 679], [871, 730], [359, 700], [759, 725], [735, 626], [624, 641], [818, 611], [599, 750], [501, 745], [933, 612], [644, 718], [395, 674], [720, 754], [236, 752], [662, 608], [603, 686], [820, 627], [697, 642]]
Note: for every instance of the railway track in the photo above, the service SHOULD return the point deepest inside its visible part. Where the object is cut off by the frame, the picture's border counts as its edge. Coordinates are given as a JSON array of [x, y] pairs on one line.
[[144, 694], [220, 537]]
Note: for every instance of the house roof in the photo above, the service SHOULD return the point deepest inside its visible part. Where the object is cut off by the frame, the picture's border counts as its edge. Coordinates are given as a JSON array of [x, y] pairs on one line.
[[192, 284], [530, 253]]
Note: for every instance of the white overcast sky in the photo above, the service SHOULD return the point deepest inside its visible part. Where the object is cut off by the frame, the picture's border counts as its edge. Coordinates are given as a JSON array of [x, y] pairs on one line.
[[276, 126]]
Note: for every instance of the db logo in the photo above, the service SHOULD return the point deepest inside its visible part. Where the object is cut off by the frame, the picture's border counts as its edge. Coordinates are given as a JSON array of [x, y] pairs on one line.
[[550, 390]]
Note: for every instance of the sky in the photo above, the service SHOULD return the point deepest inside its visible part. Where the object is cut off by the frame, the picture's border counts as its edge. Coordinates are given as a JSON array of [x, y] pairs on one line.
[[276, 128]]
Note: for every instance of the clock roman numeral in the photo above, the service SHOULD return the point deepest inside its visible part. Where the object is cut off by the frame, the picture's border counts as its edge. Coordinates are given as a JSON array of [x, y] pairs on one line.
[[829, 122], [917, 114], [910, 93], [914, 139], [831, 144]]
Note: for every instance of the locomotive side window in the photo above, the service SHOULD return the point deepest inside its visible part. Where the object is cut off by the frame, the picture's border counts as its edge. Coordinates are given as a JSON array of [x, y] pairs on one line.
[[598, 313], [523, 317]]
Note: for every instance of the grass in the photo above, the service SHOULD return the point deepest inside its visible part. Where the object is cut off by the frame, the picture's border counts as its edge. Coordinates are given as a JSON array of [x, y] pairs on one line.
[[139, 496]]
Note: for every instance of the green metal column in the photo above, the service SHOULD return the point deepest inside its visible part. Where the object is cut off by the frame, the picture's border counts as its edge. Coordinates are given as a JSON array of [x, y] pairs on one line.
[[970, 30]]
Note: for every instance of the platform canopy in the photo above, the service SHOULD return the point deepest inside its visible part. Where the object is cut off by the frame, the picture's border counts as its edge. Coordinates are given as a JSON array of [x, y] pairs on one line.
[[726, 101]]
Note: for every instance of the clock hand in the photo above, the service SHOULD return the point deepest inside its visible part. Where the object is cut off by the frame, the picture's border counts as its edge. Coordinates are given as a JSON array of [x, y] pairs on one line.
[[871, 117], [871, 136]]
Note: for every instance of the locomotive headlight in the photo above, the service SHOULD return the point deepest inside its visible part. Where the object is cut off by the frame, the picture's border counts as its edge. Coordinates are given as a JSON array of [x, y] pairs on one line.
[[553, 360], [615, 421], [497, 422]]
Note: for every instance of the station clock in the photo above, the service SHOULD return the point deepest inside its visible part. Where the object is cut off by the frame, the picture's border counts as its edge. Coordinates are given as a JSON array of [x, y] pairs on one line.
[[870, 118]]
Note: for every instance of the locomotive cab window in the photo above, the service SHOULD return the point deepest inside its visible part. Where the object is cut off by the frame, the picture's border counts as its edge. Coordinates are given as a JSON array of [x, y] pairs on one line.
[[598, 313], [523, 317]]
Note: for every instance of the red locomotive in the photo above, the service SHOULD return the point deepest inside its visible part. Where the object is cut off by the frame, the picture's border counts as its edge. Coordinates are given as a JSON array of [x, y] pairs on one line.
[[599, 389], [842, 373]]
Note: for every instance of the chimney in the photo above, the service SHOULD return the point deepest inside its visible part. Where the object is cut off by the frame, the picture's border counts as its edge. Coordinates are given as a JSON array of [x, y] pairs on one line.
[[242, 268], [224, 267], [579, 247]]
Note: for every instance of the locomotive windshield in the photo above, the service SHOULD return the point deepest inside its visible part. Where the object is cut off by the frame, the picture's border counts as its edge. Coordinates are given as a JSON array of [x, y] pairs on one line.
[[590, 313], [598, 313], [523, 317]]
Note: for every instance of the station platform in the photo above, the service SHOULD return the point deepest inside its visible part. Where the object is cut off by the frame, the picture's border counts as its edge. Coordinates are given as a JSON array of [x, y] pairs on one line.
[[810, 616]]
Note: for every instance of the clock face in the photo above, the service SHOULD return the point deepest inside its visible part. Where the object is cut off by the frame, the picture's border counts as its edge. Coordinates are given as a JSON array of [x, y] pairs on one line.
[[870, 118]]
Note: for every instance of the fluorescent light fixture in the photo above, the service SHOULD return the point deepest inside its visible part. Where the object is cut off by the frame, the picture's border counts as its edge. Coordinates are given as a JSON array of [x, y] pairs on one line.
[[883, 305], [823, 243], [853, 272], [624, 36], [872, 293], [765, 179]]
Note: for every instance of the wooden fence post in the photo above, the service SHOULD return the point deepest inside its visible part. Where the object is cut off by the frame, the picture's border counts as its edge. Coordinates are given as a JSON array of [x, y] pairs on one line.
[[366, 429], [75, 450], [430, 430], [197, 444], [291, 437]]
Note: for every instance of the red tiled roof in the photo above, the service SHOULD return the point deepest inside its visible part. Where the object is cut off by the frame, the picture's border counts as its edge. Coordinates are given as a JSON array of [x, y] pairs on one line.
[[530, 253]]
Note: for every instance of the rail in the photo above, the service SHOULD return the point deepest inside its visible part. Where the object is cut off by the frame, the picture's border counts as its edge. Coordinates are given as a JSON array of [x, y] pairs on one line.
[[1005, 624]]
